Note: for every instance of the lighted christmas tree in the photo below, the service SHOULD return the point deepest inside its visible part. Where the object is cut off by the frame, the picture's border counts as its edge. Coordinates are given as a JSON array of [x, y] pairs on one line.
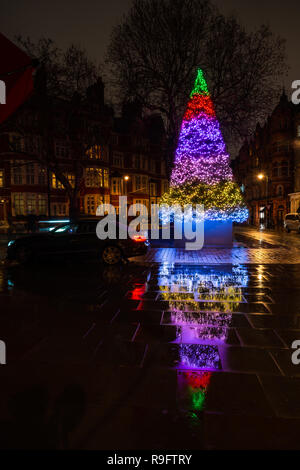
[[201, 172]]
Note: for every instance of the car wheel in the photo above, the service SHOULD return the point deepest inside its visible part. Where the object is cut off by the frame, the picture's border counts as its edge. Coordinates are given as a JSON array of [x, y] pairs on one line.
[[24, 255], [111, 254]]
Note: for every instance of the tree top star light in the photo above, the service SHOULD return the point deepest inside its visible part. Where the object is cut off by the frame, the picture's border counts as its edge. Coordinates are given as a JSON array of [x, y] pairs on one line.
[[201, 172]]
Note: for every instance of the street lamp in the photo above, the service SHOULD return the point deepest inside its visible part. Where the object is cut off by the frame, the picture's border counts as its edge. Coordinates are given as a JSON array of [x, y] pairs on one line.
[[126, 179], [261, 177]]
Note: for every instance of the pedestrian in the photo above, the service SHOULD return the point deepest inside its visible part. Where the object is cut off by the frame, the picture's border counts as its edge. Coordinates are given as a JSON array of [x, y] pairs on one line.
[[32, 223]]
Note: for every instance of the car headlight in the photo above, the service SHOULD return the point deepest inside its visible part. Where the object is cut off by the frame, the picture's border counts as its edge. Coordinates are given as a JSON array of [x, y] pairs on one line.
[[12, 242]]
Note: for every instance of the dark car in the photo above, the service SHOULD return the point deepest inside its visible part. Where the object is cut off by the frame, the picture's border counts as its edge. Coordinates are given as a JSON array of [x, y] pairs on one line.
[[75, 238]]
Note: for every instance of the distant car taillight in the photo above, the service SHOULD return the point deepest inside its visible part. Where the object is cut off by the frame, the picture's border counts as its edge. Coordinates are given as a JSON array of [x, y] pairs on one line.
[[139, 239]]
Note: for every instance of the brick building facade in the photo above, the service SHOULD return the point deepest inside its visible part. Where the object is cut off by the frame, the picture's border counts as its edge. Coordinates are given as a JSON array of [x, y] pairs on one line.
[[268, 166], [47, 168]]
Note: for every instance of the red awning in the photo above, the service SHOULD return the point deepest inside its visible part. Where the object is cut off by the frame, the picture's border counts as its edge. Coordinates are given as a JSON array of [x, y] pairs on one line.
[[16, 73]]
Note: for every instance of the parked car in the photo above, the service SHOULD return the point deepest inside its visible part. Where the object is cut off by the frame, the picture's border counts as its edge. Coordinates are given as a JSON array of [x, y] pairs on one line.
[[292, 222], [75, 238]]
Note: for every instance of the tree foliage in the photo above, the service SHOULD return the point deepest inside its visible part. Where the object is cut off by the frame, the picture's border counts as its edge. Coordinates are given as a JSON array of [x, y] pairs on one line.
[[68, 71], [155, 51]]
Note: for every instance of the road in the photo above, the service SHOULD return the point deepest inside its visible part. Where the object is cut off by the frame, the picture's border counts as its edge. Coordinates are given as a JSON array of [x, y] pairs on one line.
[[276, 238]]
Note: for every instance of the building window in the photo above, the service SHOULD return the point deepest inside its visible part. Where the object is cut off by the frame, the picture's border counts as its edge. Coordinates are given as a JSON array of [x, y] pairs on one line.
[[106, 178], [165, 187], [1, 178], [153, 189], [17, 173], [59, 209], [19, 204], [275, 170], [298, 130], [279, 190], [31, 204], [16, 143], [144, 208], [30, 174], [114, 139], [92, 201], [145, 183], [284, 168], [42, 204], [62, 149], [56, 184], [144, 163], [118, 160], [138, 183], [93, 177], [71, 179], [42, 176], [95, 152], [136, 162], [152, 166], [116, 186]]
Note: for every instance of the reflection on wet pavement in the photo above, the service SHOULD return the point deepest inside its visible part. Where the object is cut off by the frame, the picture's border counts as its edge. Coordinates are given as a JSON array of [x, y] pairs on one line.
[[159, 357]]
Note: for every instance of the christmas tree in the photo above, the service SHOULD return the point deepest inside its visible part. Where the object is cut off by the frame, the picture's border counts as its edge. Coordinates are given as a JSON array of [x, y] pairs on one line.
[[201, 172]]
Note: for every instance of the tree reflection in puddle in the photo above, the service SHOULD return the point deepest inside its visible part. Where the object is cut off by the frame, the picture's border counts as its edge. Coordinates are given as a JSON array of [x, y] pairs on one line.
[[201, 326]]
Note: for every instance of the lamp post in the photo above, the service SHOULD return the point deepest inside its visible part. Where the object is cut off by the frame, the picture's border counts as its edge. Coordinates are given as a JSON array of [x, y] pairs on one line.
[[126, 179], [261, 177]]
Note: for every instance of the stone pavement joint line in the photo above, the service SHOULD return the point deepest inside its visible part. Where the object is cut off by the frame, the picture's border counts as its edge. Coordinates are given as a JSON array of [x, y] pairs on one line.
[[216, 256]]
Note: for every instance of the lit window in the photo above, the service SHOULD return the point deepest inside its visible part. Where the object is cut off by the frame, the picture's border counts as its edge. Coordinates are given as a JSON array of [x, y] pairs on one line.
[[71, 179], [19, 204], [91, 203], [59, 209], [95, 152], [31, 204], [56, 184], [144, 206], [1, 178], [116, 186], [93, 177], [42, 204], [106, 178], [298, 131]]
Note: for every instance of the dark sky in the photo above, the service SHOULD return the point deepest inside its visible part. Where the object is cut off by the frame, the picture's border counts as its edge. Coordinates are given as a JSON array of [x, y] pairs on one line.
[[88, 22]]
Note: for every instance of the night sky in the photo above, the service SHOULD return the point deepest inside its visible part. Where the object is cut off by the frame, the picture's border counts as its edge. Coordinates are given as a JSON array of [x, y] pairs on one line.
[[89, 22]]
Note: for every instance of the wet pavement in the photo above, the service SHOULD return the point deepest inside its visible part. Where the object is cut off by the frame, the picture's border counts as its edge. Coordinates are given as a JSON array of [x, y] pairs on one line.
[[175, 350], [150, 355]]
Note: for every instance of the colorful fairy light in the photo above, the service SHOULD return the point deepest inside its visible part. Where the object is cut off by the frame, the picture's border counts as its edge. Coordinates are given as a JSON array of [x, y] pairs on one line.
[[193, 388], [200, 330], [194, 356], [201, 173]]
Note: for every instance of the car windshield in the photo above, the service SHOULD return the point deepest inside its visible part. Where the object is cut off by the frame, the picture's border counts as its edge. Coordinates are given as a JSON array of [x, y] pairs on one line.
[[67, 228]]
